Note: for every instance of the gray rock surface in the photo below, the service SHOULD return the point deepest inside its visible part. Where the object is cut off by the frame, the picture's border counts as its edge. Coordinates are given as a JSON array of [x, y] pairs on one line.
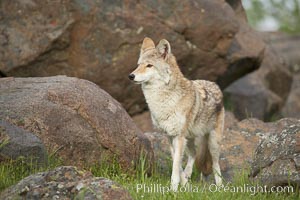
[[291, 107], [65, 183], [262, 93], [16, 142], [287, 45], [240, 141], [277, 158]]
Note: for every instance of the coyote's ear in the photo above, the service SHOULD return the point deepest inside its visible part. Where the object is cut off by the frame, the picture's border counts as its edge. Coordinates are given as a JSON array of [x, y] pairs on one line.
[[164, 48], [147, 44]]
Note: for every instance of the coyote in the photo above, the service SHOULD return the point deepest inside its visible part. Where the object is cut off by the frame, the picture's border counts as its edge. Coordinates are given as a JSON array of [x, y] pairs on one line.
[[191, 113]]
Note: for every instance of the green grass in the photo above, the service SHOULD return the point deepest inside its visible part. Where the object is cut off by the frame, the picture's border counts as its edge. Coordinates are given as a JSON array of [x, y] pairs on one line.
[[146, 187], [228, 104], [11, 172], [156, 186]]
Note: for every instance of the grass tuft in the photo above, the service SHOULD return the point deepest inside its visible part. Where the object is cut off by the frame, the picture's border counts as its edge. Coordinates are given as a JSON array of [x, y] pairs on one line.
[[12, 171]]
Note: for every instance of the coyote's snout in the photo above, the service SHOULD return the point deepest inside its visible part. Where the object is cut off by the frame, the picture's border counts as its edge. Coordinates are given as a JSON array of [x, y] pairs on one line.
[[191, 113]]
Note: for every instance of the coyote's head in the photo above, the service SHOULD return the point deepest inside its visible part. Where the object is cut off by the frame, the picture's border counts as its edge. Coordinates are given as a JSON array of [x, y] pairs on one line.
[[152, 64]]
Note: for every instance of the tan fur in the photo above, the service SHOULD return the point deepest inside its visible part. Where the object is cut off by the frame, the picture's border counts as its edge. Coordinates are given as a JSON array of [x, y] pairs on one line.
[[191, 113], [203, 160], [147, 44], [142, 69]]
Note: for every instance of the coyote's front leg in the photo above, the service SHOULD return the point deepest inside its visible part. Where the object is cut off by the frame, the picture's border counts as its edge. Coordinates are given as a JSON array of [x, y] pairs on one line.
[[178, 144]]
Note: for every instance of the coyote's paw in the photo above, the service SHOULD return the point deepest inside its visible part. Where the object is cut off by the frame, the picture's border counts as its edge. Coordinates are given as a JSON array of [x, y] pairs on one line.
[[218, 181], [174, 183], [174, 187], [188, 171], [184, 178]]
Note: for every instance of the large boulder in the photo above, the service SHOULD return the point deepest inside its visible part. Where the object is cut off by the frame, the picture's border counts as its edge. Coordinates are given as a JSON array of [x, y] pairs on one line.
[[65, 182], [74, 118], [277, 158], [240, 141], [100, 40], [274, 89], [288, 46], [17, 143], [262, 93]]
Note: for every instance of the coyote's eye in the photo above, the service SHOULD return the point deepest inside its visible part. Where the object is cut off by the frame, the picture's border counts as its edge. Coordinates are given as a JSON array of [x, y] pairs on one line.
[[149, 65]]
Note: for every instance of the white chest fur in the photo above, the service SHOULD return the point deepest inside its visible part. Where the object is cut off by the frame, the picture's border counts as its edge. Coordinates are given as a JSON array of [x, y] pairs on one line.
[[164, 109]]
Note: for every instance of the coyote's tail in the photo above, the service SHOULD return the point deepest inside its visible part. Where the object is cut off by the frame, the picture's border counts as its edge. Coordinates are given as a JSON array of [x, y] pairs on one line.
[[203, 160]]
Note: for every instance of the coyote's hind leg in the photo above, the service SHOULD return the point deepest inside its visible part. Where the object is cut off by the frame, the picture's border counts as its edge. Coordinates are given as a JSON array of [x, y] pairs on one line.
[[214, 146]]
